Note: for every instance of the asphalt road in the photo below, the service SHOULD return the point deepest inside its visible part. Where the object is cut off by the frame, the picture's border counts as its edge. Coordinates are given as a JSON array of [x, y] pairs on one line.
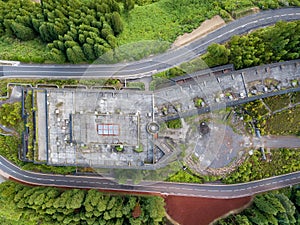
[[165, 188], [149, 66]]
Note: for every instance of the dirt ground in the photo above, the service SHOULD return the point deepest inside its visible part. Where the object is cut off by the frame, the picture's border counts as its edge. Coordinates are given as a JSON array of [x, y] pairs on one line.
[[206, 27], [201, 211]]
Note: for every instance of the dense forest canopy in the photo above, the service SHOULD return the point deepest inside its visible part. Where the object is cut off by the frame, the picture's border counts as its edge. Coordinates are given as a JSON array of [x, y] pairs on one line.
[[47, 205], [76, 31], [272, 44]]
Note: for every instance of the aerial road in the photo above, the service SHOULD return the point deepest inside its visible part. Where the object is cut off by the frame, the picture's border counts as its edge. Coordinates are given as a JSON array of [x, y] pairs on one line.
[[151, 65], [165, 188]]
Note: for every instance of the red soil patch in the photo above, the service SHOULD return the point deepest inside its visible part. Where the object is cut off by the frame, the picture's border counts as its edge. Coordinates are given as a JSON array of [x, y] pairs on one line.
[[201, 211]]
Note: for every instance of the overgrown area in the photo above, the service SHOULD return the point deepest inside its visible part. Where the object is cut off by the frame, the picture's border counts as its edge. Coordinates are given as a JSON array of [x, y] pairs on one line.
[[254, 168], [46, 205], [279, 207], [278, 115], [185, 175], [170, 18]]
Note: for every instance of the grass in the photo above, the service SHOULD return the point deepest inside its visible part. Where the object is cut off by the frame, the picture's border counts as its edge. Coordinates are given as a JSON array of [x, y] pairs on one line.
[[187, 176], [164, 20], [137, 85], [285, 122], [174, 124], [29, 51], [277, 102]]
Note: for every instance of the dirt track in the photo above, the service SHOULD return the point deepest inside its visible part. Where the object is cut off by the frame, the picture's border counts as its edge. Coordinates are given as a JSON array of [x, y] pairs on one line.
[[206, 27]]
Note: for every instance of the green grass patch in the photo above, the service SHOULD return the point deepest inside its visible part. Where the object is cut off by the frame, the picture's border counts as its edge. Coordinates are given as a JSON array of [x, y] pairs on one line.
[[283, 161], [164, 20], [24, 51], [139, 149], [174, 124], [138, 85], [284, 123], [277, 102], [187, 176]]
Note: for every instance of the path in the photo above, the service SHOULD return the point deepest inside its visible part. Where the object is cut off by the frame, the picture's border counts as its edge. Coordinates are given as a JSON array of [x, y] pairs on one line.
[[280, 141]]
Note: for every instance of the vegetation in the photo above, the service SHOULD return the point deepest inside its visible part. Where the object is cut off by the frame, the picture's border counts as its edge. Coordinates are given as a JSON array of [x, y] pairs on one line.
[[270, 208], [277, 102], [47, 205], [136, 85], [280, 117], [170, 18], [81, 31], [139, 149], [254, 168], [25, 51], [76, 31], [283, 123], [60, 83], [187, 176], [174, 124], [31, 150], [198, 102], [267, 45], [10, 115], [10, 146]]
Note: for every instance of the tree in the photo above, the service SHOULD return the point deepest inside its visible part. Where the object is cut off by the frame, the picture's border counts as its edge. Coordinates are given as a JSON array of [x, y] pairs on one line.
[[217, 55], [88, 51], [128, 5], [117, 24], [22, 32]]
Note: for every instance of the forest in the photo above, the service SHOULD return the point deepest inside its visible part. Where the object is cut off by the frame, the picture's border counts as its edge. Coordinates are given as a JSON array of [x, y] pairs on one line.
[[279, 207], [48, 205], [76, 31]]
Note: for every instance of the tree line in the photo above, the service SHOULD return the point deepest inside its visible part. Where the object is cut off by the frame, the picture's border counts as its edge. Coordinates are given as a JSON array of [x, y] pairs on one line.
[[48, 205], [272, 44]]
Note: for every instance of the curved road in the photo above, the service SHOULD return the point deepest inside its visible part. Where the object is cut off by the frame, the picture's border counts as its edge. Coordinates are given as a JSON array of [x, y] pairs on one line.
[[165, 188], [158, 63]]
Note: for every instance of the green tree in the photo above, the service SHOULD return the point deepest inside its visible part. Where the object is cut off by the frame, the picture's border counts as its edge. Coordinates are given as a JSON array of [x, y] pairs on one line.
[[117, 24], [217, 55], [128, 5]]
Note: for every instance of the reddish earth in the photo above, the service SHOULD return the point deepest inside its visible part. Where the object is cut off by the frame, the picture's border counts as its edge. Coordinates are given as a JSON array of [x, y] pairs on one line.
[[201, 211]]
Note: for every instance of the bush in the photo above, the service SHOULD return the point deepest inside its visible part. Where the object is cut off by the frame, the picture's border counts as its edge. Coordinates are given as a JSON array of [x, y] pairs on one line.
[[174, 124]]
